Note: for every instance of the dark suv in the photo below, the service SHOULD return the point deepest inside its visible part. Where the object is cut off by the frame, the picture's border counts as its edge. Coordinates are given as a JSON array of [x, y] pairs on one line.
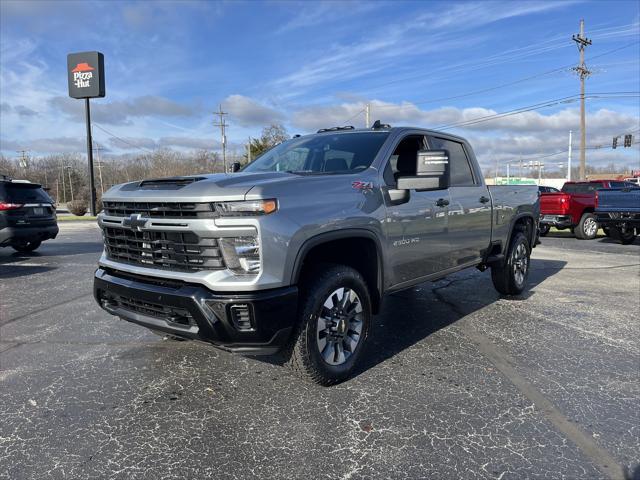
[[27, 215]]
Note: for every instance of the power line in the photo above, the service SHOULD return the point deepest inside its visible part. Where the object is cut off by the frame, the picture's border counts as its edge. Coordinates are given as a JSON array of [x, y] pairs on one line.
[[113, 135], [508, 84], [537, 106]]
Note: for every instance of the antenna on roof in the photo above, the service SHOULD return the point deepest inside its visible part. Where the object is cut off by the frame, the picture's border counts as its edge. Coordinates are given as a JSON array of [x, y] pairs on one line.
[[377, 125]]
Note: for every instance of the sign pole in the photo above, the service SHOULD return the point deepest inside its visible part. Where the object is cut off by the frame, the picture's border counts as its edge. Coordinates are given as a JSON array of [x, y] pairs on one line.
[[92, 189]]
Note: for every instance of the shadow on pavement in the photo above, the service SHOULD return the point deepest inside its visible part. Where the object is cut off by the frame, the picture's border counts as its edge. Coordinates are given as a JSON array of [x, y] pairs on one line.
[[15, 271], [410, 316], [57, 249]]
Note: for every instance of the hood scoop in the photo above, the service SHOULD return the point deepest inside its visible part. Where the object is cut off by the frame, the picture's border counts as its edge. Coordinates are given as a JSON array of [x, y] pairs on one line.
[[171, 183]]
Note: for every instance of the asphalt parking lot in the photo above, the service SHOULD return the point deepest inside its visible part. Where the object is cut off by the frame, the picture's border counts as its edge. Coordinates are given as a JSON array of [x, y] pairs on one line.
[[457, 382]]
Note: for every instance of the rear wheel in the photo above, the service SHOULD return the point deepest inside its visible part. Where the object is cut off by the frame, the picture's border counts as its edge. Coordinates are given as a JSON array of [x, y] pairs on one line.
[[544, 229], [587, 228], [27, 246], [624, 234], [335, 317], [510, 278]]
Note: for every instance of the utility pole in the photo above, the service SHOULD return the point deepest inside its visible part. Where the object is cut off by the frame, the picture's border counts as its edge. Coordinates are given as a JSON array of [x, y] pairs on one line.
[[367, 115], [69, 167], [249, 150], [24, 159], [569, 158], [583, 73], [64, 184], [222, 124], [97, 149]]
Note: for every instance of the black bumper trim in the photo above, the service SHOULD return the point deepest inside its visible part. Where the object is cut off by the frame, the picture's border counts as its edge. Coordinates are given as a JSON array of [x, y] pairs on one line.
[[204, 315], [27, 232]]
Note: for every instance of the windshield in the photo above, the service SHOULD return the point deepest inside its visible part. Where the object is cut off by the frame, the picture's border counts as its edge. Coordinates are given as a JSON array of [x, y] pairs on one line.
[[317, 154]]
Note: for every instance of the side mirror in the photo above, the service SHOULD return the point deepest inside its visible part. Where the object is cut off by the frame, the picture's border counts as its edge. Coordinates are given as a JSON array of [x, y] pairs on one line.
[[235, 166], [432, 172]]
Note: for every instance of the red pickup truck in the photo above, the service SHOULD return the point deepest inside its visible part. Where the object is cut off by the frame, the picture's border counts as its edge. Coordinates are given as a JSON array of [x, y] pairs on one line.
[[573, 207]]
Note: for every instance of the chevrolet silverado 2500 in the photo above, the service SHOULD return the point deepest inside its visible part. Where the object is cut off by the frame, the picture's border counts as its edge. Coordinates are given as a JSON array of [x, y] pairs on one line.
[[294, 254]]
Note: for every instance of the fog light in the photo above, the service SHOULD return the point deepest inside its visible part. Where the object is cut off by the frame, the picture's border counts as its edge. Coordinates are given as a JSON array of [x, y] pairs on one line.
[[241, 254]]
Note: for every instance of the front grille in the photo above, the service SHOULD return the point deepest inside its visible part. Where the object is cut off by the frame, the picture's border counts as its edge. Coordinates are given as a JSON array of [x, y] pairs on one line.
[[180, 251], [159, 209], [155, 310]]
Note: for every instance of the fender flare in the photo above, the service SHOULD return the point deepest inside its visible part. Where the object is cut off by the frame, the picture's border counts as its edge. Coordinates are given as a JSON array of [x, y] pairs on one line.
[[332, 235], [512, 226]]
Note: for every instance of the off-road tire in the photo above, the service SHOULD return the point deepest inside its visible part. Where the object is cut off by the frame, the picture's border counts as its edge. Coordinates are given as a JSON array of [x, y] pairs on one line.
[[302, 354], [585, 223], [26, 247], [504, 277], [625, 236]]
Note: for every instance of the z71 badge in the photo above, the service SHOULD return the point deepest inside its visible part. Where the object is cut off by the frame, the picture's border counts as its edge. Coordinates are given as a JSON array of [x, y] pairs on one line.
[[362, 186]]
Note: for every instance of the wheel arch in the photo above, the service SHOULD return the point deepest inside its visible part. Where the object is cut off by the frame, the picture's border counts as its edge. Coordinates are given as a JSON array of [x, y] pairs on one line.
[[356, 248]]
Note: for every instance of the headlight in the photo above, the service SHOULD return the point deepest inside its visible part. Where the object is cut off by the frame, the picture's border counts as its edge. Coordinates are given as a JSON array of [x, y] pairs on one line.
[[241, 254], [246, 208]]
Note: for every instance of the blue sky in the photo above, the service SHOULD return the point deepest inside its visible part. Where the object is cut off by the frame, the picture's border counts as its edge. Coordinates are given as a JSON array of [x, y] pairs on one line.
[[315, 64]]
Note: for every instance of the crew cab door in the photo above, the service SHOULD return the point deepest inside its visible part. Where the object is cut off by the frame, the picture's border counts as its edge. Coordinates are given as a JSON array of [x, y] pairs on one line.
[[469, 213], [416, 226]]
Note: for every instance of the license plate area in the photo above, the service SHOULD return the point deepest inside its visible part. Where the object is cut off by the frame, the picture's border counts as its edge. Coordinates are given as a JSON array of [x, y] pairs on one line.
[[38, 211]]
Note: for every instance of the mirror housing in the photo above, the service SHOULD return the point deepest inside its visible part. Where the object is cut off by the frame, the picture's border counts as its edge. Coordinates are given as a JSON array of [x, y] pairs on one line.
[[432, 172], [235, 166]]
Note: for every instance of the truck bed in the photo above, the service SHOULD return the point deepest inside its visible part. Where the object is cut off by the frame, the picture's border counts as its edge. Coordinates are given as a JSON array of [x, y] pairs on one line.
[[510, 201]]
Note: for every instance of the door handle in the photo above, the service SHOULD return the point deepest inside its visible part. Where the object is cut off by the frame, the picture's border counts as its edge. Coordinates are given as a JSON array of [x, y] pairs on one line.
[[484, 199], [442, 202]]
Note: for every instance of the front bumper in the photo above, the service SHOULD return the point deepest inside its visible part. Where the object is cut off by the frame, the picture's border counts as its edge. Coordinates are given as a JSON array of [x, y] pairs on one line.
[[9, 235], [253, 323], [558, 221]]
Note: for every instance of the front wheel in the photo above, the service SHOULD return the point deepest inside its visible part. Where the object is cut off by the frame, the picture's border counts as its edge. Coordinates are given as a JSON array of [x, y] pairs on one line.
[[26, 246], [510, 278], [335, 317], [587, 227], [544, 229]]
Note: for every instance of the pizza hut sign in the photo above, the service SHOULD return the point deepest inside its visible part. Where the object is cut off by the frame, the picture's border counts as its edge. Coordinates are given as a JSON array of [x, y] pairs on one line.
[[85, 72]]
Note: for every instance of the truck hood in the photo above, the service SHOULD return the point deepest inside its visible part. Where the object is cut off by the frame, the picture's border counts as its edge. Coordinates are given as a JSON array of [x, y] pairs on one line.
[[196, 188]]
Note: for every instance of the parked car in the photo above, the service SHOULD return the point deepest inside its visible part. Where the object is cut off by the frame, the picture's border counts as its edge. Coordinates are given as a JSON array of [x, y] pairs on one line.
[[295, 253], [618, 210], [544, 189], [27, 215], [634, 180], [574, 208]]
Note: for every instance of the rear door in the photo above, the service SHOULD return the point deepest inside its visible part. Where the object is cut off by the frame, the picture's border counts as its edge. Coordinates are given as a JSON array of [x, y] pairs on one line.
[[416, 229], [469, 212]]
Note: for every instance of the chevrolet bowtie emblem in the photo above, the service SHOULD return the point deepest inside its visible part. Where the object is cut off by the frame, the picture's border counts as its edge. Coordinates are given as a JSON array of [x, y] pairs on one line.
[[135, 222]]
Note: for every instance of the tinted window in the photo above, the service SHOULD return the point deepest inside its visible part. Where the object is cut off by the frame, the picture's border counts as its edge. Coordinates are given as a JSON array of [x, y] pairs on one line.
[[340, 152], [25, 193], [581, 187], [461, 175]]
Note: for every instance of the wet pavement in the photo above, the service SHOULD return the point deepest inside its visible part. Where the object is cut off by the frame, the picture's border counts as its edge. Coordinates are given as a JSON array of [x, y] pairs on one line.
[[457, 382]]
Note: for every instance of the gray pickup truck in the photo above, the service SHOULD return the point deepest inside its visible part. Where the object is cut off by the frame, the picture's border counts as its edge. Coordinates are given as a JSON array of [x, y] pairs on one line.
[[295, 253]]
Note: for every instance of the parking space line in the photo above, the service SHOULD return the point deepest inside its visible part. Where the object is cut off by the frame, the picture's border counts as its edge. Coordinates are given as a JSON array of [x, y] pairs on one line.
[[40, 310], [601, 458]]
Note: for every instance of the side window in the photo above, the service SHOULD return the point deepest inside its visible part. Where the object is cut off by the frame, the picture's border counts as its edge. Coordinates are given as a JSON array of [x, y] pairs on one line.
[[403, 159], [461, 174]]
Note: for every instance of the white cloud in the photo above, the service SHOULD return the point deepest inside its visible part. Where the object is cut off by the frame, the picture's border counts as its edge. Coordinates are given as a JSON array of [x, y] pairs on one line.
[[248, 112]]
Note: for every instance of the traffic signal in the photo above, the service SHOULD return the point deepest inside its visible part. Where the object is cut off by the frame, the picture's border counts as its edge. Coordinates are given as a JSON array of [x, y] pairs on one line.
[[628, 139], [615, 143]]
